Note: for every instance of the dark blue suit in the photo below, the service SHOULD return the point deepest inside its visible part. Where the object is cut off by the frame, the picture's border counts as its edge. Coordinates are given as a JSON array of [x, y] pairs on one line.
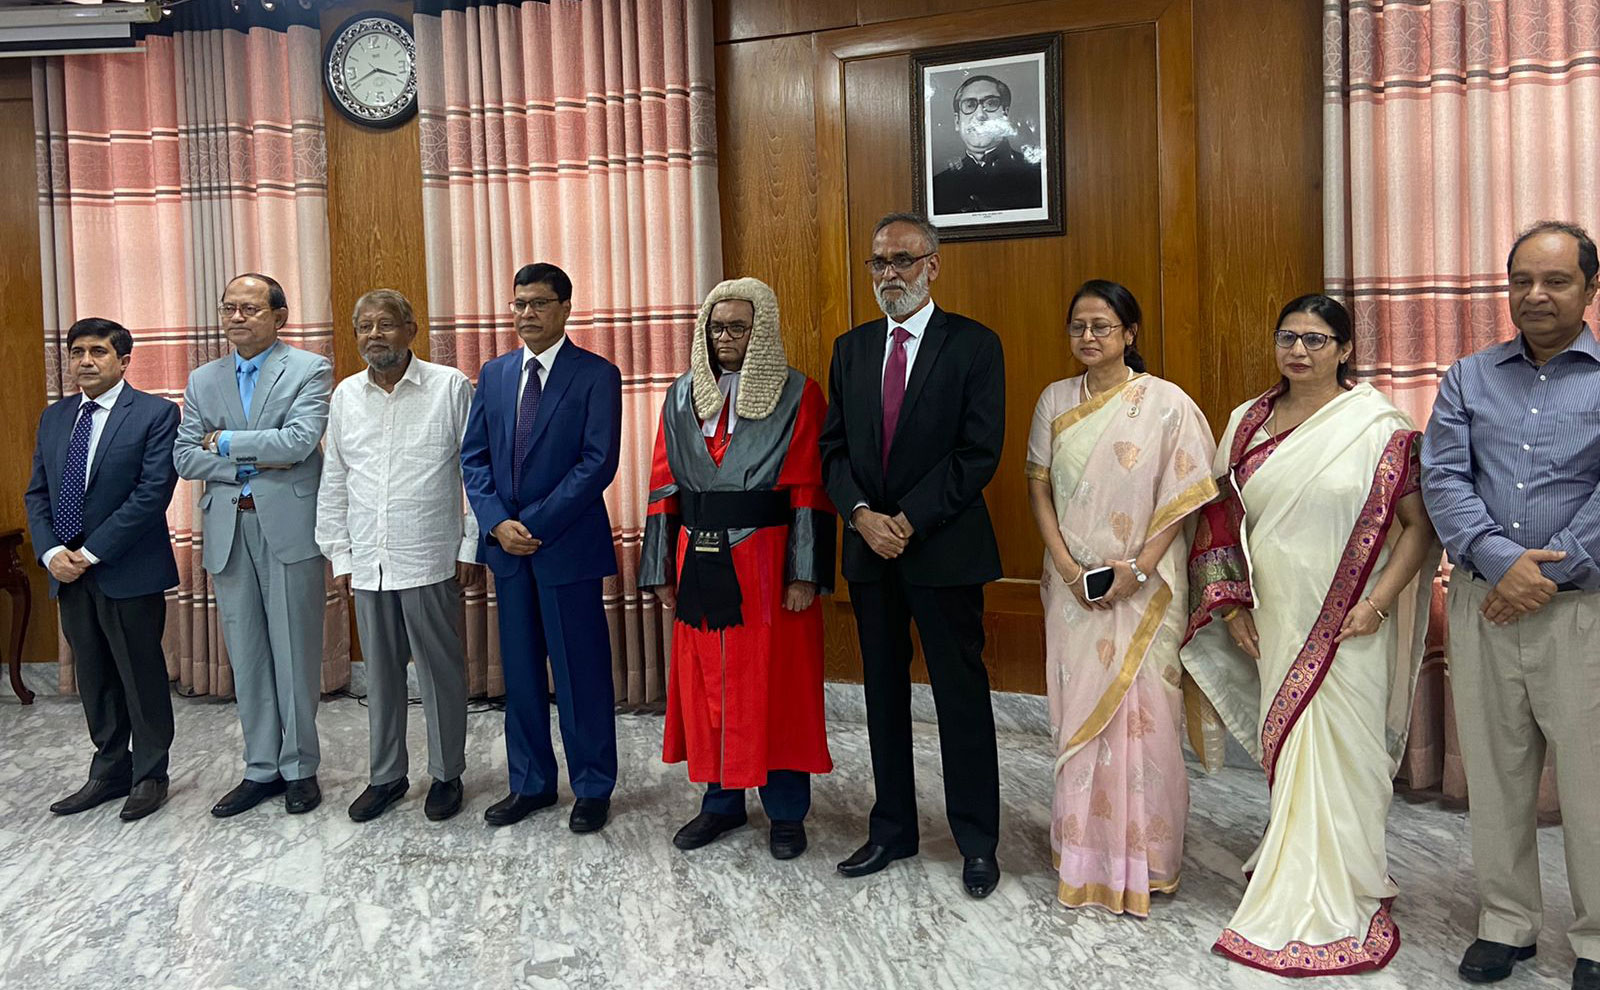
[[550, 603], [114, 615]]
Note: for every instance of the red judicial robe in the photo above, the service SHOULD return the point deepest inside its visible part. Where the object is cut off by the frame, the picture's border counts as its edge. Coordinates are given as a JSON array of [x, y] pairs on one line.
[[749, 698]]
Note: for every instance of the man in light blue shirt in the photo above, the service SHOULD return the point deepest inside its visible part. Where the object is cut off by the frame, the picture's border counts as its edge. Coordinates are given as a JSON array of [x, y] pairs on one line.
[[1511, 478], [251, 431]]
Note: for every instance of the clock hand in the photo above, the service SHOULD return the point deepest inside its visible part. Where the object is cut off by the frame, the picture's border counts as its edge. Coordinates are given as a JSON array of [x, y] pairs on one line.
[[363, 78]]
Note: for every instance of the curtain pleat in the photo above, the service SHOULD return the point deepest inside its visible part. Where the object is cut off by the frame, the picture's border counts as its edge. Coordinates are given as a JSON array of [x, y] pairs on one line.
[[582, 134], [1448, 126], [161, 176]]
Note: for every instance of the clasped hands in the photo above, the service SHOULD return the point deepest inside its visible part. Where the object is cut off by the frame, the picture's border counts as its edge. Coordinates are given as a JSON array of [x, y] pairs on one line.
[[1123, 585], [1524, 590], [68, 566], [515, 539], [886, 535]]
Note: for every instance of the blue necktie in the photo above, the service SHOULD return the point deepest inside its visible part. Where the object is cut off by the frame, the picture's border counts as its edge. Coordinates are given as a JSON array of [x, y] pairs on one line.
[[529, 409], [247, 391], [69, 511]]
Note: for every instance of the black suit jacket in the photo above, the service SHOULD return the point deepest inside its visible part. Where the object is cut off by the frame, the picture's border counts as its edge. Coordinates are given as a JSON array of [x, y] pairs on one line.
[[125, 502], [946, 448]]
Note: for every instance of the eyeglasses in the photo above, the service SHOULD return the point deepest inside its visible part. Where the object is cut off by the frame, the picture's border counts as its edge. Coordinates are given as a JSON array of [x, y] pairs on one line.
[[247, 310], [382, 326], [971, 104], [733, 331], [901, 263], [1285, 339], [520, 306], [1078, 328]]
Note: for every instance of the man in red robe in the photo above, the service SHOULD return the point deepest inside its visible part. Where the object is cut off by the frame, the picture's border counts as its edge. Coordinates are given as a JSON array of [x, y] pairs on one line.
[[739, 541]]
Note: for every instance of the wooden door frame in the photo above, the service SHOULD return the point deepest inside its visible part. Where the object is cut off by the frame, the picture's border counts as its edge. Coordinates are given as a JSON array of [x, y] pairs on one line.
[[1176, 140]]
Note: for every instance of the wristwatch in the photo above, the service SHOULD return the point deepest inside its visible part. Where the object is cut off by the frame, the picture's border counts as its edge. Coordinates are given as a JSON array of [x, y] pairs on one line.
[[1138, 575]]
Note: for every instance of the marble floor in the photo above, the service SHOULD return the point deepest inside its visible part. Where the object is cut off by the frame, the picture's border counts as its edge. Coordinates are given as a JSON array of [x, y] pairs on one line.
[[267, 900]]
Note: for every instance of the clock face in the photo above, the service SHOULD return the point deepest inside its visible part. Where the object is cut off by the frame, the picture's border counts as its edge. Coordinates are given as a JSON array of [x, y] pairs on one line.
[[371, 71]]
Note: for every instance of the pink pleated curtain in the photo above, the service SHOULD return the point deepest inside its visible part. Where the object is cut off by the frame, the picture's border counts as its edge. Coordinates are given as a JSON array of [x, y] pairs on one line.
[[1449, 126], [581, 134], [161, 175]]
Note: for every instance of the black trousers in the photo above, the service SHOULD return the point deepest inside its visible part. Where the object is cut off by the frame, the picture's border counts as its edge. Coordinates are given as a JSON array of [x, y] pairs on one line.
[[950, 625], [122, 678]]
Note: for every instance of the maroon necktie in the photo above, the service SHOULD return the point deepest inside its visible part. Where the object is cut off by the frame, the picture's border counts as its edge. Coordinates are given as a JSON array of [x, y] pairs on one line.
[[894, 389]]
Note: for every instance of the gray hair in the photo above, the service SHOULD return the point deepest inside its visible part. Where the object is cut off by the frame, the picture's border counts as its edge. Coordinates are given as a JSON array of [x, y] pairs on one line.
[[930, 233], [388, 300]]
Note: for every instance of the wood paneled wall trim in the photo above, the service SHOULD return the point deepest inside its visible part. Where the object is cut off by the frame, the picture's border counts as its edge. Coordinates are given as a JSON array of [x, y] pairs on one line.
[[1232, 166], [21, 341]]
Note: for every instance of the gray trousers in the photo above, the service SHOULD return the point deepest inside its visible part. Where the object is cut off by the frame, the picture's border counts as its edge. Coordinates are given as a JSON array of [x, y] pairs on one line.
[[272, 616], [1520, 689], [424, 624]]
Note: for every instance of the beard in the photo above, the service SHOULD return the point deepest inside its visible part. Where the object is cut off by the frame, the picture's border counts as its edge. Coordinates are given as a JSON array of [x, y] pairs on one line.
[[383, 360], [911, 297]]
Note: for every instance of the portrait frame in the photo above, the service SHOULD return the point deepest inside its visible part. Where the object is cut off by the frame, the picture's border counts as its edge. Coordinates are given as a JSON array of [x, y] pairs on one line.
[[1021, 196]]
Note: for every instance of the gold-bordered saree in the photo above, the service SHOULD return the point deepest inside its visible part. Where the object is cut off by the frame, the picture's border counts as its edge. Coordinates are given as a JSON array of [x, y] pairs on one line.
[[1122, 467]]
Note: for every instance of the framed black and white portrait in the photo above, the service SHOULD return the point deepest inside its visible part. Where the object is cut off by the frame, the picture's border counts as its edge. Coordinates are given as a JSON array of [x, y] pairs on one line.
[[986, 137]]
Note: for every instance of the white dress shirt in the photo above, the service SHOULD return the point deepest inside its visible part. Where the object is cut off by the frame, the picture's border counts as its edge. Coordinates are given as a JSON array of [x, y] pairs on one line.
[[728, 385], [916, 324], [547, 357], [391, 512], [97, 426]]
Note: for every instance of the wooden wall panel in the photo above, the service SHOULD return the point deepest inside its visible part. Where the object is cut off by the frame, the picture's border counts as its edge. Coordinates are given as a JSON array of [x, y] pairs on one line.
[[1252, 166], [742, 20], [374, 207], [1020, 287], [1259, 82], [21, 340], [768, 183]]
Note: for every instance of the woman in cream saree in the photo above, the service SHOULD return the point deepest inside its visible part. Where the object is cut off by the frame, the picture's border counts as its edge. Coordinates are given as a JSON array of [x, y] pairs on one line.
[[1294, 576], [1117, 459]]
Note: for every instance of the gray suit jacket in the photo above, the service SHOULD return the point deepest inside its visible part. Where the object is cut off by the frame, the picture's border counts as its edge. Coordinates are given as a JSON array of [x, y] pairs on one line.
[[288, 414]]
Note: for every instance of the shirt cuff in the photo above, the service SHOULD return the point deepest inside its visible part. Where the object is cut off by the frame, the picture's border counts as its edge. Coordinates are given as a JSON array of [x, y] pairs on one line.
[[91, 558], [343, 562], [49, 555], [849, 524], [224, 442], [1577, 567], [1492, 555]]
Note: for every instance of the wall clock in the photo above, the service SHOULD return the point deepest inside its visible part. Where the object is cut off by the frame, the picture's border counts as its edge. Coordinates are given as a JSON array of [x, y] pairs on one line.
[[370, 70]]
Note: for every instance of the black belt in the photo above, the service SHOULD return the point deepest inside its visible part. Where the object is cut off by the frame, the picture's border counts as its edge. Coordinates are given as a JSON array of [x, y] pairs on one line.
[[708, 585], [1563, 586]]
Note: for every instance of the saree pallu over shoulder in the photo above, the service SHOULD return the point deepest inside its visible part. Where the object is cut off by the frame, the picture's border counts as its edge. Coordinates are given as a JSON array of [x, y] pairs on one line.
[[1123, 466]]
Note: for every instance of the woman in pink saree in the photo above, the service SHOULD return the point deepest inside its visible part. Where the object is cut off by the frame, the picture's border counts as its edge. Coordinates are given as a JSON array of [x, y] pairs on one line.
[[1307, 629], [1117, 460]]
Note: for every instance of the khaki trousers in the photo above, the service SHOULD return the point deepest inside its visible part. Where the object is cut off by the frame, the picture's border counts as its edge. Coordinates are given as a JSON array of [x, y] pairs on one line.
[[1520, 689]]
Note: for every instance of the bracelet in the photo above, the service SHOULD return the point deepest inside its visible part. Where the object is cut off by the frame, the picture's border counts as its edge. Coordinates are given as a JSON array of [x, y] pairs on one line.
[[1231, 614], [1382, 615]]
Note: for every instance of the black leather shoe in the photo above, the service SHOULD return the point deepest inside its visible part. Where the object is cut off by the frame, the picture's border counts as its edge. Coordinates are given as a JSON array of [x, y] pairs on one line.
[[247, 795], [377, 798], [514, 808], [980, 875], [1491, 962], [302, 795], [787, 839], [706, 828], [1586, 975], [147, 796], [90, 795], [444, 800], [589, 814], [869, 859]]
